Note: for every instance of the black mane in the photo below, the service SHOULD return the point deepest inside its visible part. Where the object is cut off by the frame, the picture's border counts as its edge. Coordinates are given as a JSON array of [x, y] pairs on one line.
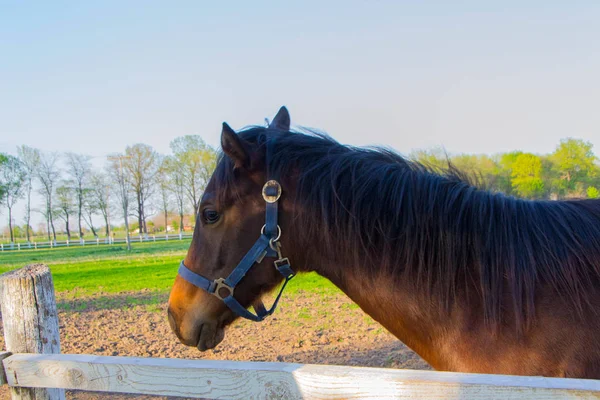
[[384, 213]]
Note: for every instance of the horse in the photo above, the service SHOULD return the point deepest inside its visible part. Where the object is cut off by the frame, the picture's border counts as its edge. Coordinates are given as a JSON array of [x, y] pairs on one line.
[[471, 280]]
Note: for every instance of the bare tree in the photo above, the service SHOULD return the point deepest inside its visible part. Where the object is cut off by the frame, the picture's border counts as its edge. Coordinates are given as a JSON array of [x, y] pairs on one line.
[[46, 214], [79, 169], [142, 166], [178, 187], [196, 162], [116, 171], [89, 209], [12, 176], [99, 196], [3, 160], [48, 174], [65, 205], [30, 159], [163, 179]]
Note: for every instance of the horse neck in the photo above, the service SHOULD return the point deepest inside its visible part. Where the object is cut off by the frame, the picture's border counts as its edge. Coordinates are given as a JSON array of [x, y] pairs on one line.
[[400, 304], [413, 319]]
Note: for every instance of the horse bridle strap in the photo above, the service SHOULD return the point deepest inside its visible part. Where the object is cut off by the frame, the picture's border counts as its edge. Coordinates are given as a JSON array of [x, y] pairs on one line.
[[267, 245]]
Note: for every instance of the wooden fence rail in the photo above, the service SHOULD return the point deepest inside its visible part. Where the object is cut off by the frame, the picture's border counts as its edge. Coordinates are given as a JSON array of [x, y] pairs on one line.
[[46, 376], [245, 380]]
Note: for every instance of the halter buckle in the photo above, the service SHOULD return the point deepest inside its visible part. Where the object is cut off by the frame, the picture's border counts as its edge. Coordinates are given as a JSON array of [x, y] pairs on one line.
[[220, 284], [271, 191], [283, 266]]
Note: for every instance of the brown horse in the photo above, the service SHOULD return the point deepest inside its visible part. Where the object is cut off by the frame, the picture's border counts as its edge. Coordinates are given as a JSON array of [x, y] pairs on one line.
[[473, 281]]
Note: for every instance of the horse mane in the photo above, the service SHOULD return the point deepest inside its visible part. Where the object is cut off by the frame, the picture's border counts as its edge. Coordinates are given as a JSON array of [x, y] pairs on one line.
[[389, 215]]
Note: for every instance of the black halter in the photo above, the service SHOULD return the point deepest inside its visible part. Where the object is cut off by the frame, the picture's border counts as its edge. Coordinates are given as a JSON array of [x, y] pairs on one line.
[[267, 245]]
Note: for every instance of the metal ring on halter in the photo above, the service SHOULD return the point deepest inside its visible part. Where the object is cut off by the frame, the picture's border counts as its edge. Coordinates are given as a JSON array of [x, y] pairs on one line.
[[262, 232]]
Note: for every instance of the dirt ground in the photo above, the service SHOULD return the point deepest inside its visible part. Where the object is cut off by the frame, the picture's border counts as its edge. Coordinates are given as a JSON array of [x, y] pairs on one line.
[[305, 331]]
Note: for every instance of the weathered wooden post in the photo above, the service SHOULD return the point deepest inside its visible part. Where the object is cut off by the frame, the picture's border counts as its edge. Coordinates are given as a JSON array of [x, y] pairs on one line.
[[30, 320]]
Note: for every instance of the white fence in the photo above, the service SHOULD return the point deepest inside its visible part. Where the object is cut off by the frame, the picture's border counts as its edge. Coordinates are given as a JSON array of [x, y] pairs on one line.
[[31, 326], [210, 379], [94, 242]]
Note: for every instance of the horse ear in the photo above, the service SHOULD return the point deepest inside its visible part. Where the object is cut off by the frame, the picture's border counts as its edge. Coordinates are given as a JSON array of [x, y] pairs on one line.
[[234, 147], [281, 120]]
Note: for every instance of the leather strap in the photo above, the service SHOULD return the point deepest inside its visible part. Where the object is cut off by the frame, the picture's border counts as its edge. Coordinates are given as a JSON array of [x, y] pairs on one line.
[[261, 314], [271, 219], [256, 253], [195, 279]]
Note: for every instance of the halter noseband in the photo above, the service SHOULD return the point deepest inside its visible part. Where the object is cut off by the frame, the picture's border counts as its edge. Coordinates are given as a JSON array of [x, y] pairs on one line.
[[267, 245]]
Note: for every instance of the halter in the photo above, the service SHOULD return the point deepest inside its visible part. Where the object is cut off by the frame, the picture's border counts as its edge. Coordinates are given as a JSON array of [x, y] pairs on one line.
[[267, 245]]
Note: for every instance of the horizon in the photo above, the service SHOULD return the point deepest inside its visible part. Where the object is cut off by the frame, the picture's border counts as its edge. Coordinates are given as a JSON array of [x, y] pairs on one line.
[[37, 219]]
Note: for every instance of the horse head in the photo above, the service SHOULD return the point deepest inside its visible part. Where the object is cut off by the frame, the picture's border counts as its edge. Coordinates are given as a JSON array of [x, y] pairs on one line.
[[236, 254]]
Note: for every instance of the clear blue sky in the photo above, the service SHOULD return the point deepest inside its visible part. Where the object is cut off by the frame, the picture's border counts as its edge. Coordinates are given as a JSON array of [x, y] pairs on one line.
[[93, 77], [96, 76]]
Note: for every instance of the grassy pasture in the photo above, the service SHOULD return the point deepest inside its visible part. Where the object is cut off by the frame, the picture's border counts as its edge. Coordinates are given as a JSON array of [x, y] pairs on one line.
[[110, 276], [109, 269]]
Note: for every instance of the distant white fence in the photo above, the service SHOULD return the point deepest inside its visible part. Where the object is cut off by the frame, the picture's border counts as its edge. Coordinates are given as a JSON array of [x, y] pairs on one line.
[[31, 326], [93, 242]]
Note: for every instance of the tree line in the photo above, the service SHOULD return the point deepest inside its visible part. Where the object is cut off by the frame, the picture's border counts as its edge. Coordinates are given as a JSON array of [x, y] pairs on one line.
[[141, 183], [571, 171], [137, 183]]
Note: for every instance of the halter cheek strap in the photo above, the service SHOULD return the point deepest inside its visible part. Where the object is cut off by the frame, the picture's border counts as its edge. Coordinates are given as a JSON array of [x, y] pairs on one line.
[[267, 245]]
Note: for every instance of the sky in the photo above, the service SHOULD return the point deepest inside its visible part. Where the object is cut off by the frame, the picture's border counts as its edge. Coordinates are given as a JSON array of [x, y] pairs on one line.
[[471, 76]]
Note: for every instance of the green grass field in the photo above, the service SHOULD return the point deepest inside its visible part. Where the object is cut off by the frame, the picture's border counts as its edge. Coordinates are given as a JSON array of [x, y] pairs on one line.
[[83, 272]]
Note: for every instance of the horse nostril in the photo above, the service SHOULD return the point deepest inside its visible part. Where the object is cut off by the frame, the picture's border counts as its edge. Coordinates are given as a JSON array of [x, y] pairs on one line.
[[172, 322]]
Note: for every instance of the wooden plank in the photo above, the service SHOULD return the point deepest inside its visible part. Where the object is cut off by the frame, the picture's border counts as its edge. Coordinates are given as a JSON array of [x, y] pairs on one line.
[[30, 320], [3, 355], [242, 380]]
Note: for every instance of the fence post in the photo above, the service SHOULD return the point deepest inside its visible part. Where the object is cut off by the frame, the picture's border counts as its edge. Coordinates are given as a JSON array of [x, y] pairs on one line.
[[30, 320]]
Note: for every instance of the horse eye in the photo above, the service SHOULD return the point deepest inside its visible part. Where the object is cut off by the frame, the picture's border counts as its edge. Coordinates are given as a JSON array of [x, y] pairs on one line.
[[210, 216]]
